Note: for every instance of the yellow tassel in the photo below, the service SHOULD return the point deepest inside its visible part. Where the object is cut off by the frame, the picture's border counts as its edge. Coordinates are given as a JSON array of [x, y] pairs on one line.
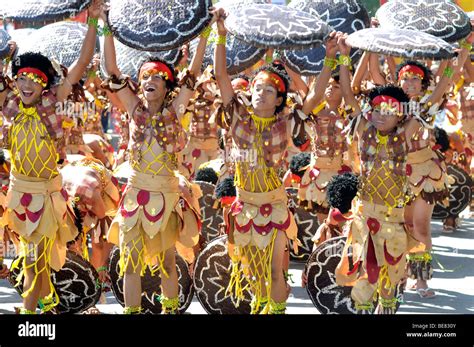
[[235, 288], [85, 249], [27, 251], [261, 122]]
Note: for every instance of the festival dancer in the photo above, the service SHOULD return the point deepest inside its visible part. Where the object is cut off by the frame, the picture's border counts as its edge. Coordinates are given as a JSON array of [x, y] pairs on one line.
[[325, 127], [259, 223], [155, 217], [425, 167], [377, 234], [36, 205]]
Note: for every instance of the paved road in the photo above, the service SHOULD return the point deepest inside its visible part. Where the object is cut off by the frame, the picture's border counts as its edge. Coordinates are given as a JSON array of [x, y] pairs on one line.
[[453, 281]]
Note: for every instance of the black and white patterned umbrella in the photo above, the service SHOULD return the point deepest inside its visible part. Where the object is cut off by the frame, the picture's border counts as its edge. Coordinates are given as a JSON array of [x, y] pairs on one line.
[[273, 26], [460, 194], [239, 55], [211, 278], [158, 25], [404, 43], [232, 5], [440, 18], [327, 296], [60, 41], [4, 47], [130, 59], [345, 16], [76, 284], [21, 35], [211, 218], [41, 11]]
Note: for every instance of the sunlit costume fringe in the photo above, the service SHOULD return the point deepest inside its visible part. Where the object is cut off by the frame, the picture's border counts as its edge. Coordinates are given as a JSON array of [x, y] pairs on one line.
[[420, 266], [152, 218], [38, 212], [169, 305], [379, 244], [427, 175], [256, 219]]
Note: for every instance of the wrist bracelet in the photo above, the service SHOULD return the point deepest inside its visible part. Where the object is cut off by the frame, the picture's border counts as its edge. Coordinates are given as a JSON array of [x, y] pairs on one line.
[[206, 32], [344, 60], [464, 44], [330, 63], [102, 268], [93, 22], [448, 72], [221, 40], [106, 31]]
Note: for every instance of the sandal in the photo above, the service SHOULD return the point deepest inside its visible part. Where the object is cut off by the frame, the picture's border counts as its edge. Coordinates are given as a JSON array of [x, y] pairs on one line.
[[426, 293]]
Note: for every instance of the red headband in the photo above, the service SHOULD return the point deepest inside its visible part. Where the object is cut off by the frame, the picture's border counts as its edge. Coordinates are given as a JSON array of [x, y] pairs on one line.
[[228, 200], [411, 70], [271, 78], [295, 178], [389, 101], [157, 67], [240, 83], [26, 71]]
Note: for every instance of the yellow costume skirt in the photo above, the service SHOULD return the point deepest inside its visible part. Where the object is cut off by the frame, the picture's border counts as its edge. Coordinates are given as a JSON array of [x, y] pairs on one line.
[[153, 217], [253, 222], [379, 245], [37, 210]]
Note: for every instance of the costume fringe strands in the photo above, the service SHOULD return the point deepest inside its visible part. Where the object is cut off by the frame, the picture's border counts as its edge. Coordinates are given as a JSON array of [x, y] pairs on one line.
[[420, 266]]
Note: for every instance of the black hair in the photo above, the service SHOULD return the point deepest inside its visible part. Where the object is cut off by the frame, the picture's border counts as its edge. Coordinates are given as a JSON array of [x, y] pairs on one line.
[[341, 190], [427, 73], [169, 84], [299, 161], [300, 140], [279, 70], [335, 74], [207, 174], [2, 156], [225, 188], [78, 221], [389, 90], [37, 61], [442, 138]]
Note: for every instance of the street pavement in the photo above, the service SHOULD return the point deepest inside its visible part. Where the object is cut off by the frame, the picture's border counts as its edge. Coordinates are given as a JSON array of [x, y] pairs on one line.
[[453, 281]]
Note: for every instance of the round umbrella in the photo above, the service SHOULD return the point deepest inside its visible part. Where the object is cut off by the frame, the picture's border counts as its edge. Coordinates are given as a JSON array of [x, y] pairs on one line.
[[404, 43], [157, 25]]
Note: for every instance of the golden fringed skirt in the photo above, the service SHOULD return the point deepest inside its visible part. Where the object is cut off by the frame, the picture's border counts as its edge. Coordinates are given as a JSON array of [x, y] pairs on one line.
[[427, 175], [37, 211], [153, 217], [255, 219], [379, 244]]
